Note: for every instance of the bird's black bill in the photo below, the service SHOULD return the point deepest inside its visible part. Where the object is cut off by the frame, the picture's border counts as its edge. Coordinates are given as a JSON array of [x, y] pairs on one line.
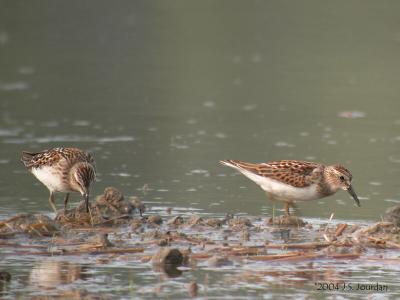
[[86, 196], [354, 195]]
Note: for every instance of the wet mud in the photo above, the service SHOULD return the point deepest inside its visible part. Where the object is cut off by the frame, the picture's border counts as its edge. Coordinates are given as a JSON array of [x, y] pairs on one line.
[[121, 226]]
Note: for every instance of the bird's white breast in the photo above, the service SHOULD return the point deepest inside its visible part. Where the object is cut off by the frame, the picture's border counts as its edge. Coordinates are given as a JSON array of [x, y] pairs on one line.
[[51, 178], [282, 191]]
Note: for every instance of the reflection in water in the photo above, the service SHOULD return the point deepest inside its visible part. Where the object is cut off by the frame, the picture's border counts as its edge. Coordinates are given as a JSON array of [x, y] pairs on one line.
[[5, 278], [54, 274], [69, 139], [298, 276], [170, 270]]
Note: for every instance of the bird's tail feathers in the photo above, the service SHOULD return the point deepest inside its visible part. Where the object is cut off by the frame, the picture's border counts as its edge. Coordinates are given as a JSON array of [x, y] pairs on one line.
[[27, 157]]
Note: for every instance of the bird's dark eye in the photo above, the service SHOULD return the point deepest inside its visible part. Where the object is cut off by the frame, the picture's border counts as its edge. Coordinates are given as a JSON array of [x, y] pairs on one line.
[[341, 178]]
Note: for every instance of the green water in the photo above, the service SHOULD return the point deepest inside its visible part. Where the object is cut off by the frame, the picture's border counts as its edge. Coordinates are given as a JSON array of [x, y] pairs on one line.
[[160, 91]]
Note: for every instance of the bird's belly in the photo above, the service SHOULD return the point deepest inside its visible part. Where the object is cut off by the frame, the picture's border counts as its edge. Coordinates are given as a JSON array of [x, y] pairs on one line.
[[285, 192], [52, 179]]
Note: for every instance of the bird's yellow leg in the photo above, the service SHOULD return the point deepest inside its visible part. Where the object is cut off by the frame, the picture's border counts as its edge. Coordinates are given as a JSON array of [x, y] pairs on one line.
[[53, 202], [286, 206], [91, 217], [273, 207], [273, 213]]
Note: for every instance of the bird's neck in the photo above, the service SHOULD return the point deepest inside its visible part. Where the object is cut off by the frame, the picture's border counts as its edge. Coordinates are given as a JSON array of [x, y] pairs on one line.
[[81, 175], [326, 184]]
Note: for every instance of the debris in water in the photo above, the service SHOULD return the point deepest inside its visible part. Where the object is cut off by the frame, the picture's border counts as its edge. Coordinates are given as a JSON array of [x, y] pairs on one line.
[[193, 289], [219, 261], [286, 221], [5, 276], [393, 215], [168, 256], [154, 219], [35, 225], [173, 244], [109, 209]]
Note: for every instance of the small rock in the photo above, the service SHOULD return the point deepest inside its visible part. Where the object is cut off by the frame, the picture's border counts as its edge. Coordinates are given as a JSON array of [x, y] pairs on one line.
[[168, 256], [219, 261], [162, 243], [155, 219], [392, 214]]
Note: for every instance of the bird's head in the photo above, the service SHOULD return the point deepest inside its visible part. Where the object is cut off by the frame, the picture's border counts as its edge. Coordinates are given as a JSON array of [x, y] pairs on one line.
[[338, 177], [82, 176]]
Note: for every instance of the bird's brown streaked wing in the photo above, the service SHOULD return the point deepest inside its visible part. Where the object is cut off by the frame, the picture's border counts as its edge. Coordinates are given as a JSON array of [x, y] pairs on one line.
[[38, 159], [49, 157], [292, 172], [73, 155]]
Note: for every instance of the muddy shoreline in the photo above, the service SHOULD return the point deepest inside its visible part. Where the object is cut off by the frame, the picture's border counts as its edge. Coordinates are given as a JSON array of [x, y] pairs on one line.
[[173, 244]]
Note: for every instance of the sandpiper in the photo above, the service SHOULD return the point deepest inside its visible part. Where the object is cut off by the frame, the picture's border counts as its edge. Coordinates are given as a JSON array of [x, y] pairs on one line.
[[62, 170], [293, 180]]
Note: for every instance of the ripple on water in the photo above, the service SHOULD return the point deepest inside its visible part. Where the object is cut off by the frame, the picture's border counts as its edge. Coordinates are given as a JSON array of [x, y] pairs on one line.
[[179, 146], [209, 104], [69, 138], [81, 123], [205, 173], [26, 70], [249, 107], [10, 132], [393, 200], [3, 38], [394, 159], [13, 86], [121, 174], [284, 144], [50, 124], [220, 135]]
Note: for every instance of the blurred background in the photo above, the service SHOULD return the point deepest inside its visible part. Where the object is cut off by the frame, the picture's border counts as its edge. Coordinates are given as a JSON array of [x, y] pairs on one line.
[[160, 91]]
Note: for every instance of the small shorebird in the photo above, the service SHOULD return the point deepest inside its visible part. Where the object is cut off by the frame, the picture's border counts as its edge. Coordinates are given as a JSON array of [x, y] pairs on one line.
[[62, 170], [293, 180]]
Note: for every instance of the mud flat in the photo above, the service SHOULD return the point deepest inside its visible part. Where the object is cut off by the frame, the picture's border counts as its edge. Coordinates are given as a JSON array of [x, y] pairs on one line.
[[120, 228]]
